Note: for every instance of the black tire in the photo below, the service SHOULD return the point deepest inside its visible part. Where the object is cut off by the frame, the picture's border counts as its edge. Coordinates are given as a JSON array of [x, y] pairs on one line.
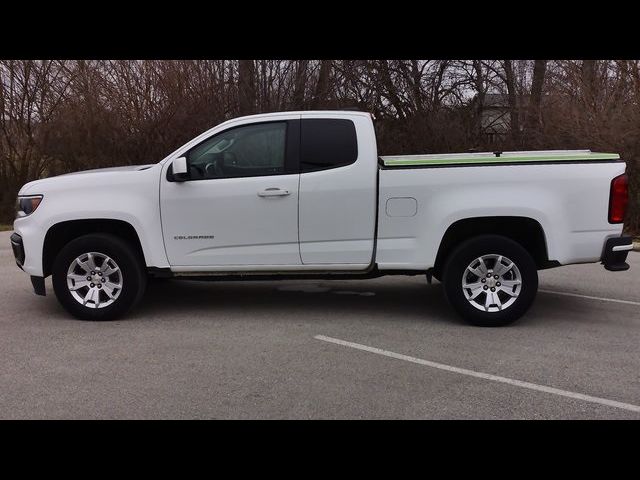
[[158, 280], [465, 254], [134, 278]]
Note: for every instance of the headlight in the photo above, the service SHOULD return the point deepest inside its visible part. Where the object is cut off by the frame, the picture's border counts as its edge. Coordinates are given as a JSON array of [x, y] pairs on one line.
[[27, 205]]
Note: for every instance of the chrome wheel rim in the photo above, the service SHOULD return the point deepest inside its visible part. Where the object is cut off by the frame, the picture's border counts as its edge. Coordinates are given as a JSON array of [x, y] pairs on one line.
[[94, 280], [492, 283]]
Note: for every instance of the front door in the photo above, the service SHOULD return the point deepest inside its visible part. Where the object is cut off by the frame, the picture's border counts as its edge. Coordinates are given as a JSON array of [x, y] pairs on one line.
[[240, 204]]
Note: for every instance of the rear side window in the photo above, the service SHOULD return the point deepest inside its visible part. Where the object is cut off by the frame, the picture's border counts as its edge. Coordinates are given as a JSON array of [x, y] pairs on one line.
[[327, 143]]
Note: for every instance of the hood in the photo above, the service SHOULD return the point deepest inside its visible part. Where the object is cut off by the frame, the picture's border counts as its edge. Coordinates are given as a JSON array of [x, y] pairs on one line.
[[99, 176], [126, 168]]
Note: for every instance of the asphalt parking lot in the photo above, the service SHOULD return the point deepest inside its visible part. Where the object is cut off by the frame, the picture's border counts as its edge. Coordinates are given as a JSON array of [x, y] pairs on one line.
[[385, 348]]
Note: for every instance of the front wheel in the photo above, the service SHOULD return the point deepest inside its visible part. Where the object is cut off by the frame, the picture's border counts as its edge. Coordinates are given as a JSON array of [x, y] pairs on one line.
[[490, 280], [98, 277]]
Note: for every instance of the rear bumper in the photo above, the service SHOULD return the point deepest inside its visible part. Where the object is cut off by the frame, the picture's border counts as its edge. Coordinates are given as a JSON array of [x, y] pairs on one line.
[[615, 253]]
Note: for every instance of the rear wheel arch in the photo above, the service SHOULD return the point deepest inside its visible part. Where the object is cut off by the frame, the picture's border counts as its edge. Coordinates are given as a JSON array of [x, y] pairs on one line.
[[61, 233], [525, 231]]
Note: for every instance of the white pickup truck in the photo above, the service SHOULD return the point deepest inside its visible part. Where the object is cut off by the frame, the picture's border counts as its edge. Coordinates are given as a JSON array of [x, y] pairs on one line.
[[305, 195]]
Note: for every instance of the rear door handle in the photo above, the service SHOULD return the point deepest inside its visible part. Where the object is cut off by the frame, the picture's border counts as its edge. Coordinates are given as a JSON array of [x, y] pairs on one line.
[[273, 192]]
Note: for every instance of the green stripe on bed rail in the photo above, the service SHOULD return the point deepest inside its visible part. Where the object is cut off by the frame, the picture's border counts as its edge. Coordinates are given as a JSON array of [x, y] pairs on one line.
[[400, 161]]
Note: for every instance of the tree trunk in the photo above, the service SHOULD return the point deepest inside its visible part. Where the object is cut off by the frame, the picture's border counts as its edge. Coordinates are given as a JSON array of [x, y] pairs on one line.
[[297, 100], [478, 81], [512, 96], [246, 87], [533, 118], [589, 83], [320, 97], [391, 89]]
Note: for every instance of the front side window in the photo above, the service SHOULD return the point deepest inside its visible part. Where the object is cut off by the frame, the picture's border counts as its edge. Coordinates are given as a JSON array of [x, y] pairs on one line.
[[246, 151]]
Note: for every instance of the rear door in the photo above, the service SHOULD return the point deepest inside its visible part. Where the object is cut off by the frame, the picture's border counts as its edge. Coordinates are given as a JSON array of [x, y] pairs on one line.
[[338, 183]]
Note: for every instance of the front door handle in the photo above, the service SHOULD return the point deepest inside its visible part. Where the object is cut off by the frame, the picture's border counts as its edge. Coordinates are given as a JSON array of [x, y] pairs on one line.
[[273, 192]]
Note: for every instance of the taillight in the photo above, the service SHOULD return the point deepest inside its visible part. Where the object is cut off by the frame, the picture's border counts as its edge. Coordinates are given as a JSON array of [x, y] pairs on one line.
[[618, 198]]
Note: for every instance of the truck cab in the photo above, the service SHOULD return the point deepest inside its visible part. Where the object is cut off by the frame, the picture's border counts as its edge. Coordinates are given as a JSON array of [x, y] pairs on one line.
[[273, 193]]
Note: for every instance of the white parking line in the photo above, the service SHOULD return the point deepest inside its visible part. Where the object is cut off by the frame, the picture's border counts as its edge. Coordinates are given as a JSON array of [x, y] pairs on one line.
[[485, 376], [627, 302]]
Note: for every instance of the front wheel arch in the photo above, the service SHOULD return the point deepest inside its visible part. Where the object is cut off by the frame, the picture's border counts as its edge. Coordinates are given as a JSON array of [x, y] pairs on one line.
[[61, 233]]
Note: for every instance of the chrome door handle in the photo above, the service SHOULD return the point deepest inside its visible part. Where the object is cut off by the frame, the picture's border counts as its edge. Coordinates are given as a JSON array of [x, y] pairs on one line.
[[273, 192]]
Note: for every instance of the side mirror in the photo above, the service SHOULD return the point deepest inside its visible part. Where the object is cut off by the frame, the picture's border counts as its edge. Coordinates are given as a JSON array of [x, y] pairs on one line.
[[180, 169]]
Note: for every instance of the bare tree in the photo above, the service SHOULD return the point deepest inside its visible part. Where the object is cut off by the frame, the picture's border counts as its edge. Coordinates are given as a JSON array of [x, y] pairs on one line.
[[59, 116]]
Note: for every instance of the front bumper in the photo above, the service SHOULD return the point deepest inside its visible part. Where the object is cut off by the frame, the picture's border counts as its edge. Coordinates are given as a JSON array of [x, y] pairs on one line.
[[17, 245], [18, 249], [615, 253]]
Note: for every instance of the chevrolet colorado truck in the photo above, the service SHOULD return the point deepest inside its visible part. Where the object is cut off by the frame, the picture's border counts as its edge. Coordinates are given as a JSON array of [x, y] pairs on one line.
[[300, 195]]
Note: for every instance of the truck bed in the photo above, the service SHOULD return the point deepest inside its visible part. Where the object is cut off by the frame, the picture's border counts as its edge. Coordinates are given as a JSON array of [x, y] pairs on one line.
[[566, 194], [488, 158]]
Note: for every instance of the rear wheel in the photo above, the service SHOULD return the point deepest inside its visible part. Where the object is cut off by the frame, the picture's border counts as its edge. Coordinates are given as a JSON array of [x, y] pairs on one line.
[[490, 280], [98, 277]]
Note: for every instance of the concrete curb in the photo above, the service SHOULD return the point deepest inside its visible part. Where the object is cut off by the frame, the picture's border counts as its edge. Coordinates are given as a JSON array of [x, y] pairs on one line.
[[636, 245]]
